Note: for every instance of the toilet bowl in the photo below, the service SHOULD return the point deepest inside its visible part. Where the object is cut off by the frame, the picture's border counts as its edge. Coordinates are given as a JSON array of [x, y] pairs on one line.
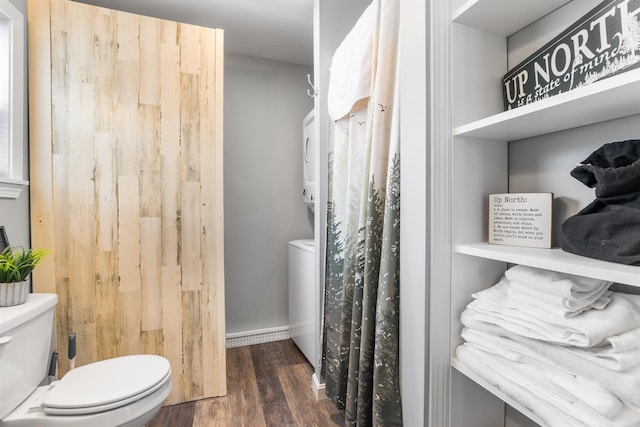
[[123, 391]]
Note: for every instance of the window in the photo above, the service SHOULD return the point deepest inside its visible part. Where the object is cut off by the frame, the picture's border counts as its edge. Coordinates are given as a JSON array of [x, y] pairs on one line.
[[5, 64], [12, 78]]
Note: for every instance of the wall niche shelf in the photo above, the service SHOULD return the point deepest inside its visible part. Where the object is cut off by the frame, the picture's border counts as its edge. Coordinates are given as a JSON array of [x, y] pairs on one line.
[[554, 259], [607, 99], [464, 370]]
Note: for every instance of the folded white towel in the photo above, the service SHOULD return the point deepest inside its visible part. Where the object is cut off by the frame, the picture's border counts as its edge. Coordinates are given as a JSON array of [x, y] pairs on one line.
[[618, 353], [616, 361], [573, 304], [522, 376], [529, 397], [589, 329], [625, 385], [565, 385], [554, 283], [574, 299], [626, 341], [556, 305]]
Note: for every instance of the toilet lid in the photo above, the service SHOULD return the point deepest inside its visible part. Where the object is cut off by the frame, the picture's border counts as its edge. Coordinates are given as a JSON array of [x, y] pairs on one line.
[[107, 384]]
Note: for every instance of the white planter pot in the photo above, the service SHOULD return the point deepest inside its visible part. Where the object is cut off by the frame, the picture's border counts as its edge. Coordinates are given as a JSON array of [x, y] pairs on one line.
[[14, 293]]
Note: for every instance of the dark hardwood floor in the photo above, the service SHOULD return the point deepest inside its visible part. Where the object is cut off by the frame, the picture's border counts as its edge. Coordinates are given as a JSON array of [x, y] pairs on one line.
[[267, 385]]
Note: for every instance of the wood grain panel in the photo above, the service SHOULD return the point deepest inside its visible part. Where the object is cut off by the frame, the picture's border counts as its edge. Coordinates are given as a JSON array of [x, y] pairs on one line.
[[108, 338], [151, 279], [152, 342], [190, 46], [172, 328], [127, 37], [169, 33], [190, 127], [40, 153], [128, 234], [127, 117], [170, 147], [129, 317], [192, 382], [105, 181], [130, 200], [149, 61], [105, 54], [190, 228], [151, 191]]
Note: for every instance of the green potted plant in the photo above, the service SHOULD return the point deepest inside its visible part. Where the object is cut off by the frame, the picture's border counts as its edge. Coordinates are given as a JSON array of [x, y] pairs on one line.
[[16, 263]]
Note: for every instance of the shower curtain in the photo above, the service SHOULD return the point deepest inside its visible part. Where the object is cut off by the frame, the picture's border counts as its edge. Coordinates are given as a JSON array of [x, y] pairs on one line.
[[361, 296]]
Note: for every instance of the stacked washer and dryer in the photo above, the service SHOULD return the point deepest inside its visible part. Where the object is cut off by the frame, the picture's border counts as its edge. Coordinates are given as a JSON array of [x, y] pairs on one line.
[[302, 289]]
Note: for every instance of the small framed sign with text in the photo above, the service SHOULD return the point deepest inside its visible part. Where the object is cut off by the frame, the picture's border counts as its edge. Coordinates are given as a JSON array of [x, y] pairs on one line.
[[520, 219]]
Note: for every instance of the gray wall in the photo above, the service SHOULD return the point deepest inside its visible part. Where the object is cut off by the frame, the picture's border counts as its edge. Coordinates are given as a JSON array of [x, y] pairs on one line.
[[264, 104], [14, 214]]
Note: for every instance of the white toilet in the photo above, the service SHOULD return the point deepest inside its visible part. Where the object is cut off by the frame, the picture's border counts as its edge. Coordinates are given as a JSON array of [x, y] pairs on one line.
[[123, 391]]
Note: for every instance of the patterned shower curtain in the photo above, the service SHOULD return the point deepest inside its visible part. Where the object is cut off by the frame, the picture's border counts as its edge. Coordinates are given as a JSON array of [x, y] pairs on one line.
[[361, 296]]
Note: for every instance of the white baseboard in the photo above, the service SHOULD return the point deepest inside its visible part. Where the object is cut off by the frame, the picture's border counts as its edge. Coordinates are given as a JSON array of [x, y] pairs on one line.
[[258, 336], [318, 388]]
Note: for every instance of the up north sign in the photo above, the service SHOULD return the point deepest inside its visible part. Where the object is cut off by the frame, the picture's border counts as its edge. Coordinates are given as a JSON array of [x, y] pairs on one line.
[[604, 42]]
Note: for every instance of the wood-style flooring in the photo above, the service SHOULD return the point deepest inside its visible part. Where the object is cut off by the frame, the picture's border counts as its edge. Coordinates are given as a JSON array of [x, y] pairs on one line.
[[267, 385]]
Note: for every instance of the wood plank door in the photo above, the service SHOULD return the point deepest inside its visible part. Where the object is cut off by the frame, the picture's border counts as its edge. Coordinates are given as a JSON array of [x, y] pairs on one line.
[[126, 187]]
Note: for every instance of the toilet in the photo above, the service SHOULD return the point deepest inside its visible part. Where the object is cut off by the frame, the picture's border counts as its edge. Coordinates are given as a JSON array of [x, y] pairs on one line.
[[123, 391]]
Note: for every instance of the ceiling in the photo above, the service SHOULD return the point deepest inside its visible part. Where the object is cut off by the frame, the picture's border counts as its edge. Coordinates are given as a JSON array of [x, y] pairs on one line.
[[275, 29]]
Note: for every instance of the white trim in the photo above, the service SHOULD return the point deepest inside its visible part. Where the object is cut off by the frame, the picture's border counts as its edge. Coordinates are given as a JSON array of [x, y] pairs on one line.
[[11, 188], [319, 389], [440, 222], [414, 211], [257, 336], [16, 95]]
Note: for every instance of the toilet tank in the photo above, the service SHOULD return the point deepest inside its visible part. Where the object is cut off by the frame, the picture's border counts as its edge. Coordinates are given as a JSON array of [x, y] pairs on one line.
[[25, 339]]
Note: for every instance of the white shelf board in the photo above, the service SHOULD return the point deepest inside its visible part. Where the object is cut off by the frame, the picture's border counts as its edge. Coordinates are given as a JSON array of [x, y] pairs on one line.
[[612, 98], [464, 370], [554, 259], [503, 17]]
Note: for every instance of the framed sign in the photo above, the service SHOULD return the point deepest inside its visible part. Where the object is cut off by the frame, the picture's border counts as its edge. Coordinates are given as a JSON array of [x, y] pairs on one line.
[[520, 219], [4, 242], [603, 43]]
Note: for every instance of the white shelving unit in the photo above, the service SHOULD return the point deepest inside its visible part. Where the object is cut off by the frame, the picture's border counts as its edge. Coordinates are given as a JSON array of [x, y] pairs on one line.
[[554, 259], [503, 17], [485, 152], [464, 370], [604, 100]]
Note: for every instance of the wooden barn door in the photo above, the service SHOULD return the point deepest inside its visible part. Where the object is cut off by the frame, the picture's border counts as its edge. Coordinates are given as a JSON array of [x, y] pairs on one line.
[[126, 187]]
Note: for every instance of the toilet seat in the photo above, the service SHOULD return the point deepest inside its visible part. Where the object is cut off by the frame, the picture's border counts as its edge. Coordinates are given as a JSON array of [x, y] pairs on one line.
[[106, 385]]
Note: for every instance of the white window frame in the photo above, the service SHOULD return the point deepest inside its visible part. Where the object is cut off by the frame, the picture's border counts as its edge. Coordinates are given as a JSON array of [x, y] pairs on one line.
[[11, 186]]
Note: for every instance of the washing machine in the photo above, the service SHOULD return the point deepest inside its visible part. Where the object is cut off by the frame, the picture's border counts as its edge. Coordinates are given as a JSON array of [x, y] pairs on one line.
[[302, 296]]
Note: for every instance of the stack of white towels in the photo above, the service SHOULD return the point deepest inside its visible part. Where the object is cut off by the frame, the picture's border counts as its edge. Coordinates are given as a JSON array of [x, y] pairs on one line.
[[563, 346]]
